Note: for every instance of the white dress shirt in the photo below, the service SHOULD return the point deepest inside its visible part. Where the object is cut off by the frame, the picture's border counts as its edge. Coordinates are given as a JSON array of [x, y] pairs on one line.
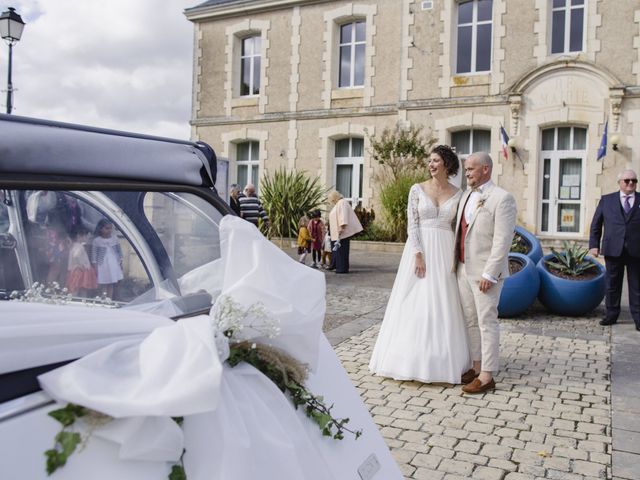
[[472, 203], [632, 198]]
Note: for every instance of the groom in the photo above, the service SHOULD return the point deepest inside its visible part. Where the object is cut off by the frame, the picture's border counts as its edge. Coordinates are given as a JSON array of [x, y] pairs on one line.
[[484, 231]]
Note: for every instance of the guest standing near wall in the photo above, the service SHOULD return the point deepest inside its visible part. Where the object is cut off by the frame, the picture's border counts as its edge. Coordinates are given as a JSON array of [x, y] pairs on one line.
[[343, 224], [251, 207]]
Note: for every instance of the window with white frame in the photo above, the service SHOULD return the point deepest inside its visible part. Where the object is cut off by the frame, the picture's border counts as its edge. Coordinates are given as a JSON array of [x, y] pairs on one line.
[[474, 28], [349, 166], [247, 163], [567, 26], [250, 59], [352, 49], [465, 142]]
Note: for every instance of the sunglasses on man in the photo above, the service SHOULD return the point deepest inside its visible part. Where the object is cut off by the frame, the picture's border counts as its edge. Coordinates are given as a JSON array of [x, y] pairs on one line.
[[629, 180]]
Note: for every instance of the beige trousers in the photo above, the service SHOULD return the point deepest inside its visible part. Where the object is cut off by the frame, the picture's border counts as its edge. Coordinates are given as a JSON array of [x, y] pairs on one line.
[[481, 314]]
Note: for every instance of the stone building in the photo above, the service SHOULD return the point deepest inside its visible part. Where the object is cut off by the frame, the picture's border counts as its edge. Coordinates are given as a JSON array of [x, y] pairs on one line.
[[301, 84]]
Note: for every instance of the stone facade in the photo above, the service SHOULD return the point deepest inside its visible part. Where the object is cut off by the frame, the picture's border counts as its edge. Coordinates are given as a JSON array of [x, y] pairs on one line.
[[411, 78]]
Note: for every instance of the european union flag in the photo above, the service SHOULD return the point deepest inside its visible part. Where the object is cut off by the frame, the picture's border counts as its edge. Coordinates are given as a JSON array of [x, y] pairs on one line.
[[602, 151]]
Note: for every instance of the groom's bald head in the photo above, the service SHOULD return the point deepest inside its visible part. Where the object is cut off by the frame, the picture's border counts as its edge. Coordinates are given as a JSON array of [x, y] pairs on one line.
[[478, 167]]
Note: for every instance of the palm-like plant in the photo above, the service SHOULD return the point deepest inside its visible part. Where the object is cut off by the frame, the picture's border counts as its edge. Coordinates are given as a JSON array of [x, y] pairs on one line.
[[288, 195], [571, 261]]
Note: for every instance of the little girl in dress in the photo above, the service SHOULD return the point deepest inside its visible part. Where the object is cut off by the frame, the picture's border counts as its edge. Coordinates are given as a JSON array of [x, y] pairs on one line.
[[81, 276], [106, 256]]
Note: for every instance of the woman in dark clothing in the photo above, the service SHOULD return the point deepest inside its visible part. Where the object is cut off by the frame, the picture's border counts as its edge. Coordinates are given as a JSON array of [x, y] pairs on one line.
[[234, 195]]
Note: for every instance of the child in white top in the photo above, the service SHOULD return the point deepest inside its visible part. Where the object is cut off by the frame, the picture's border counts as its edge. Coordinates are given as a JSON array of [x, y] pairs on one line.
[[106, 257]]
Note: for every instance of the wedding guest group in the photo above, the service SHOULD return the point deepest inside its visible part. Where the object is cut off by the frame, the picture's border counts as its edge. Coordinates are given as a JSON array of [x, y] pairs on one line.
[[617, 214], [441, 321]]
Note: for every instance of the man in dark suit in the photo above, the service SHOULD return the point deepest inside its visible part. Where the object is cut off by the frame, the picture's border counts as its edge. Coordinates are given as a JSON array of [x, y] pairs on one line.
[[618, 214]]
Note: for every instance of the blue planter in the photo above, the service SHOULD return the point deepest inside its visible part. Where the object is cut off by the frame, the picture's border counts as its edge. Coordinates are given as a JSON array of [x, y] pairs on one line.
[[520, 289], [570, 297], [535, 248]]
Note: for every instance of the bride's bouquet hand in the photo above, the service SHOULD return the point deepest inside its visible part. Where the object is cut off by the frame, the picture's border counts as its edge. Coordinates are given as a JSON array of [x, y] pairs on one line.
[[421, 268]]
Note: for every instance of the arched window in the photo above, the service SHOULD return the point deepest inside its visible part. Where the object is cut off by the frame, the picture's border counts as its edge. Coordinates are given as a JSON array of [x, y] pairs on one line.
[[349, 166], [247, 163]]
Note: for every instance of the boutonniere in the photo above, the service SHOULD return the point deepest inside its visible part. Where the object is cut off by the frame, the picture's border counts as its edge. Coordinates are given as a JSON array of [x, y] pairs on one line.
[[481, 201]]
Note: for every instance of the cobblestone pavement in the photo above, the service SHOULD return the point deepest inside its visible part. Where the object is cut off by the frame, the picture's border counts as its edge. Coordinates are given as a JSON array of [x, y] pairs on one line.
[[566, 404], [548, 418]]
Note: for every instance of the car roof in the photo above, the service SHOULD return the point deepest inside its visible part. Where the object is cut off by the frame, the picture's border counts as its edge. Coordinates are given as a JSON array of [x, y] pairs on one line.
[[35, 146]]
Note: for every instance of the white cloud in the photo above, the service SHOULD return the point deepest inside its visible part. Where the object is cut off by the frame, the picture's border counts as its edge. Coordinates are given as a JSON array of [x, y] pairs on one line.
[[123, 64]]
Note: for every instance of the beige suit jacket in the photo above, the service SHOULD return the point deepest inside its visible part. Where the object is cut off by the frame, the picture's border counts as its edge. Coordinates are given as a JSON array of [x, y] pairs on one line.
[[489, 234]]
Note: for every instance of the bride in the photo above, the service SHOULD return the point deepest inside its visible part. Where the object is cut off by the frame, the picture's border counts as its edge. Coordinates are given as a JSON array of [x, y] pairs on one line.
[[423, 335]]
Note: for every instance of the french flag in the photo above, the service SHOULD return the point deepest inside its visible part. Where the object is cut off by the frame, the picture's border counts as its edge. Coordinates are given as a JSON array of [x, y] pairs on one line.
[[504, 139]]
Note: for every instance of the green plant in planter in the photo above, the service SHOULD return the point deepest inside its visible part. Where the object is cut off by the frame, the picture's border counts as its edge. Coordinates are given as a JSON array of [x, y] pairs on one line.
[[571, 261], [287, 196], [518, 245]]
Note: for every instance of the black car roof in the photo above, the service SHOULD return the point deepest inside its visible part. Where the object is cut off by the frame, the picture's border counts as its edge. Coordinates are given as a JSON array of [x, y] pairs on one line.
[[34, 146]]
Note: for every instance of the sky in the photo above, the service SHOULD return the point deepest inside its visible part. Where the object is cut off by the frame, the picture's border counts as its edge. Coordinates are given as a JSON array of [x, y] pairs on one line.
[[123, 64]]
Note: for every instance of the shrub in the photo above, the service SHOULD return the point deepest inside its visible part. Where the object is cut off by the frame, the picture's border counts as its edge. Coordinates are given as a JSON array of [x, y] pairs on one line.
[[400, 151], [394, 198], [375, 232], [288, 195], [366, 217]]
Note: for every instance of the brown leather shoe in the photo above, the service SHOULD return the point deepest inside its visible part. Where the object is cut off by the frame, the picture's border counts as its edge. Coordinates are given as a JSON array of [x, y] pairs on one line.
[[469, 376], [477, 387]]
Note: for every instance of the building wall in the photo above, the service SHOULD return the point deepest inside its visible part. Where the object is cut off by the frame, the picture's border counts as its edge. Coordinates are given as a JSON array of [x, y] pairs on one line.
[[410, 79]]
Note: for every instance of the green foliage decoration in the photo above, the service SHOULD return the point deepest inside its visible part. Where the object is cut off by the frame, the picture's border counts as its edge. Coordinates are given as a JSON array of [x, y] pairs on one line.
[[288, 195], [284, 372], [394, 197], [571, 260]]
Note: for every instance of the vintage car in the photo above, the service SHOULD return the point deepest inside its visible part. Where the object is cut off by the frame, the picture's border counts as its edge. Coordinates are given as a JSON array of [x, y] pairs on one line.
[[109, 240]]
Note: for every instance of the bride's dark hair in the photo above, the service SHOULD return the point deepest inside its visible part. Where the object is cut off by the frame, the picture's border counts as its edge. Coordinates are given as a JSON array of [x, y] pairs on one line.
[[449, 157]]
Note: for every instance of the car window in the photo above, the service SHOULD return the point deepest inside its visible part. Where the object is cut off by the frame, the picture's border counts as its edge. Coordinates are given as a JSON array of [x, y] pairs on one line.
[[69, 247], [115, 249], [188, 227]]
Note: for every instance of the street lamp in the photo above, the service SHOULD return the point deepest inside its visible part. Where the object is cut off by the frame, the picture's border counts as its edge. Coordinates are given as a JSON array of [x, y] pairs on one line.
[[11, 26]]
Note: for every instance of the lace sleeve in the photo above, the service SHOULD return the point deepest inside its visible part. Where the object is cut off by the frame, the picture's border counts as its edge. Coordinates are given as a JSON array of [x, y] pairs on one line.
[[413, 221]]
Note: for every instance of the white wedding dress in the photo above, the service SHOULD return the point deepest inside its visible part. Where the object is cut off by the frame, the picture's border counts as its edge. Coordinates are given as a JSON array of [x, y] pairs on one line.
[[423, 335]]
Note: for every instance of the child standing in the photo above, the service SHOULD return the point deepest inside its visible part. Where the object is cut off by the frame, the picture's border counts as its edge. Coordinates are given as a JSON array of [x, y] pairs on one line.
[[304, 239], [316, 229], [81, 276], [326, 250], [106, 257]]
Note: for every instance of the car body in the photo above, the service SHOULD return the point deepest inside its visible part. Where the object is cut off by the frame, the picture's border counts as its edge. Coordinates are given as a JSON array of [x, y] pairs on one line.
[[58, 184]]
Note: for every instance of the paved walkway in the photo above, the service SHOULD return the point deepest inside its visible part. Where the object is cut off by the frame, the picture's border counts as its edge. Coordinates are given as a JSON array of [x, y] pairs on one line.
[[565, 408]]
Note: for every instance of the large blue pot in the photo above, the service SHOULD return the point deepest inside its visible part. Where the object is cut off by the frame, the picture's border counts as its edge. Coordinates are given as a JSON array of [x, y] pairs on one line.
[[535, 247], [570, 297], [520, 289]]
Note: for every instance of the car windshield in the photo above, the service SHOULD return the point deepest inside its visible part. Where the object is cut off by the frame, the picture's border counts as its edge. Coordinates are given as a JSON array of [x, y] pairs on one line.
[[153, 251]]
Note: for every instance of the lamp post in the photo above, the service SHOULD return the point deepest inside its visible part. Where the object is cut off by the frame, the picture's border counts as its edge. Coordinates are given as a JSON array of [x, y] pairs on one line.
[[11, 26]]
